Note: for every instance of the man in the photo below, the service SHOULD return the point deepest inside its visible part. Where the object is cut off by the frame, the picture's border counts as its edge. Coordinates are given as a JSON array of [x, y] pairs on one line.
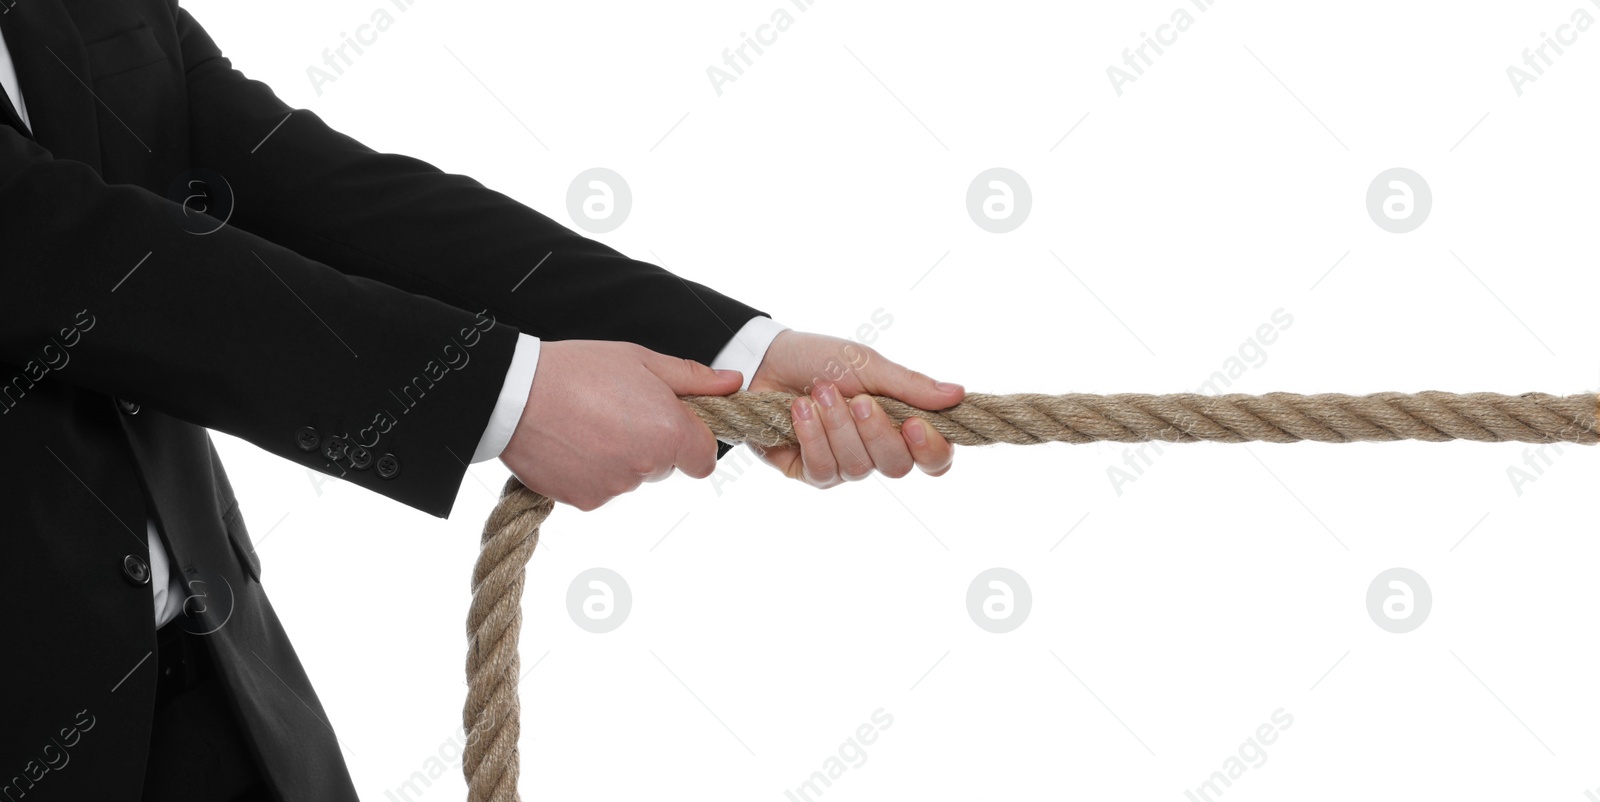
[[362, 314]]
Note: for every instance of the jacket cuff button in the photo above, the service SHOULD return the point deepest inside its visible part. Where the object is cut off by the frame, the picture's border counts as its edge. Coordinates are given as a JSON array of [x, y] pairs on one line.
[[307, 438], [135, 570], [335, 449]]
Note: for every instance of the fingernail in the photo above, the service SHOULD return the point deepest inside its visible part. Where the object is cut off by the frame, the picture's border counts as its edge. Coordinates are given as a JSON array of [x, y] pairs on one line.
[[828, 395], [861, 407], [730, 374], [802, 408], [946, 387], [914, 431]]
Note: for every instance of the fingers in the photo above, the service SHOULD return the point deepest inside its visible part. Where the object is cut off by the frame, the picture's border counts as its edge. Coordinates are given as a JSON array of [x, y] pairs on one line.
[[837, 443], [888, 450], [849, 453], [688, 377], [697, 449], [933, 453], [881, 376], [816, 465], [696, 453]]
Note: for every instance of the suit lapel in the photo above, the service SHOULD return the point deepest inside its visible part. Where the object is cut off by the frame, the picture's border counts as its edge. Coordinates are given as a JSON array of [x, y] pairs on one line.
[[8, 111], [8, 115], [53, 71]]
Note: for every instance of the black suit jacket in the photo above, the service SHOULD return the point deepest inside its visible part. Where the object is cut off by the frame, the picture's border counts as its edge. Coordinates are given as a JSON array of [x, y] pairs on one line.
[[356, 315]]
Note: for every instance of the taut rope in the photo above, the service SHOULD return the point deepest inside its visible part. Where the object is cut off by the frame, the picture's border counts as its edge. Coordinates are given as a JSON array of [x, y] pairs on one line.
[[492, 714]]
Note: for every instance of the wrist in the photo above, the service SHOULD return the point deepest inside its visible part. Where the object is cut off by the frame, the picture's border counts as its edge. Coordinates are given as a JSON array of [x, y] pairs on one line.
[[747, 349], [762, 371]]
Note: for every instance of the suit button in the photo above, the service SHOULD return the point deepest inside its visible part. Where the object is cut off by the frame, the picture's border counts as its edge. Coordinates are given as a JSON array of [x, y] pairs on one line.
[[360, 457], [307, 438], [128, 407], [388, 466], [135, 570], [335, 449]]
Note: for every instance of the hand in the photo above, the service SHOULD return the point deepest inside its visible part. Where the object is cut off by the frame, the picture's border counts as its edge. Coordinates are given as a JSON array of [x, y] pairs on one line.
[[604, 417], [830, 377]]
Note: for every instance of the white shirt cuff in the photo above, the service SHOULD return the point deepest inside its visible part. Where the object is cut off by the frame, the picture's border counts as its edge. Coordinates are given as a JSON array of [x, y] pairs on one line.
[[748, 347], [513, 397]]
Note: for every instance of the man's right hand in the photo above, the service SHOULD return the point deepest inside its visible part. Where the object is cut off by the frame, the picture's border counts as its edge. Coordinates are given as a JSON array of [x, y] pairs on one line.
[[604, 417]]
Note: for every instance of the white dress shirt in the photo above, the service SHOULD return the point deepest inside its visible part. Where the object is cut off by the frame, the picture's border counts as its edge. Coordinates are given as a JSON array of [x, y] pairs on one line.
[[742, 353]]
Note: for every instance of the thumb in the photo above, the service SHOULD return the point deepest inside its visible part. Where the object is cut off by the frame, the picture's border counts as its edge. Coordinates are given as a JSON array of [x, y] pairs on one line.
[[884, 377], [688, 377]]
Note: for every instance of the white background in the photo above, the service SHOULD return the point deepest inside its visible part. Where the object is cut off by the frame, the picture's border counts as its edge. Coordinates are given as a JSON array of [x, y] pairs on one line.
[[770, 620]]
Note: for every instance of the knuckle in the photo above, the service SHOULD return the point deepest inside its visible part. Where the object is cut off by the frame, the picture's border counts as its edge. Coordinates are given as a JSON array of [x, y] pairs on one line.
[[822, 467], [697, 370], [668, 426], [872, 430], [818, 478], [835, 420]]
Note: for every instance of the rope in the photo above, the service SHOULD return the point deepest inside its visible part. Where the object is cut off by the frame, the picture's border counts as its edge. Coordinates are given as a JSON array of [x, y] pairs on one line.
[[492, 714]]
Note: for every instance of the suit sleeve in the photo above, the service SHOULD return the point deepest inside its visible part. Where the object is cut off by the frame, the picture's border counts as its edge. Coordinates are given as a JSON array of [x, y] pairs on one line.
[[103, 287], [333, 199]]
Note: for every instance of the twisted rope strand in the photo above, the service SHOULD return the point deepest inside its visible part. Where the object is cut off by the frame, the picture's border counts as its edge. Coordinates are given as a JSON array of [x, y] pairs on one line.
[[492, 714], [1030, 418]]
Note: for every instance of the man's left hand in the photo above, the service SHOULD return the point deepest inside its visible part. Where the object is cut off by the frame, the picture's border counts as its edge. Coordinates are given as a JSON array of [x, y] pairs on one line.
[[843, 433]]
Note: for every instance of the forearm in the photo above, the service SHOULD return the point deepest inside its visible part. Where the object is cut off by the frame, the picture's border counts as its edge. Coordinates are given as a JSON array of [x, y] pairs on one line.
[[408, 224], [102, 288]]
